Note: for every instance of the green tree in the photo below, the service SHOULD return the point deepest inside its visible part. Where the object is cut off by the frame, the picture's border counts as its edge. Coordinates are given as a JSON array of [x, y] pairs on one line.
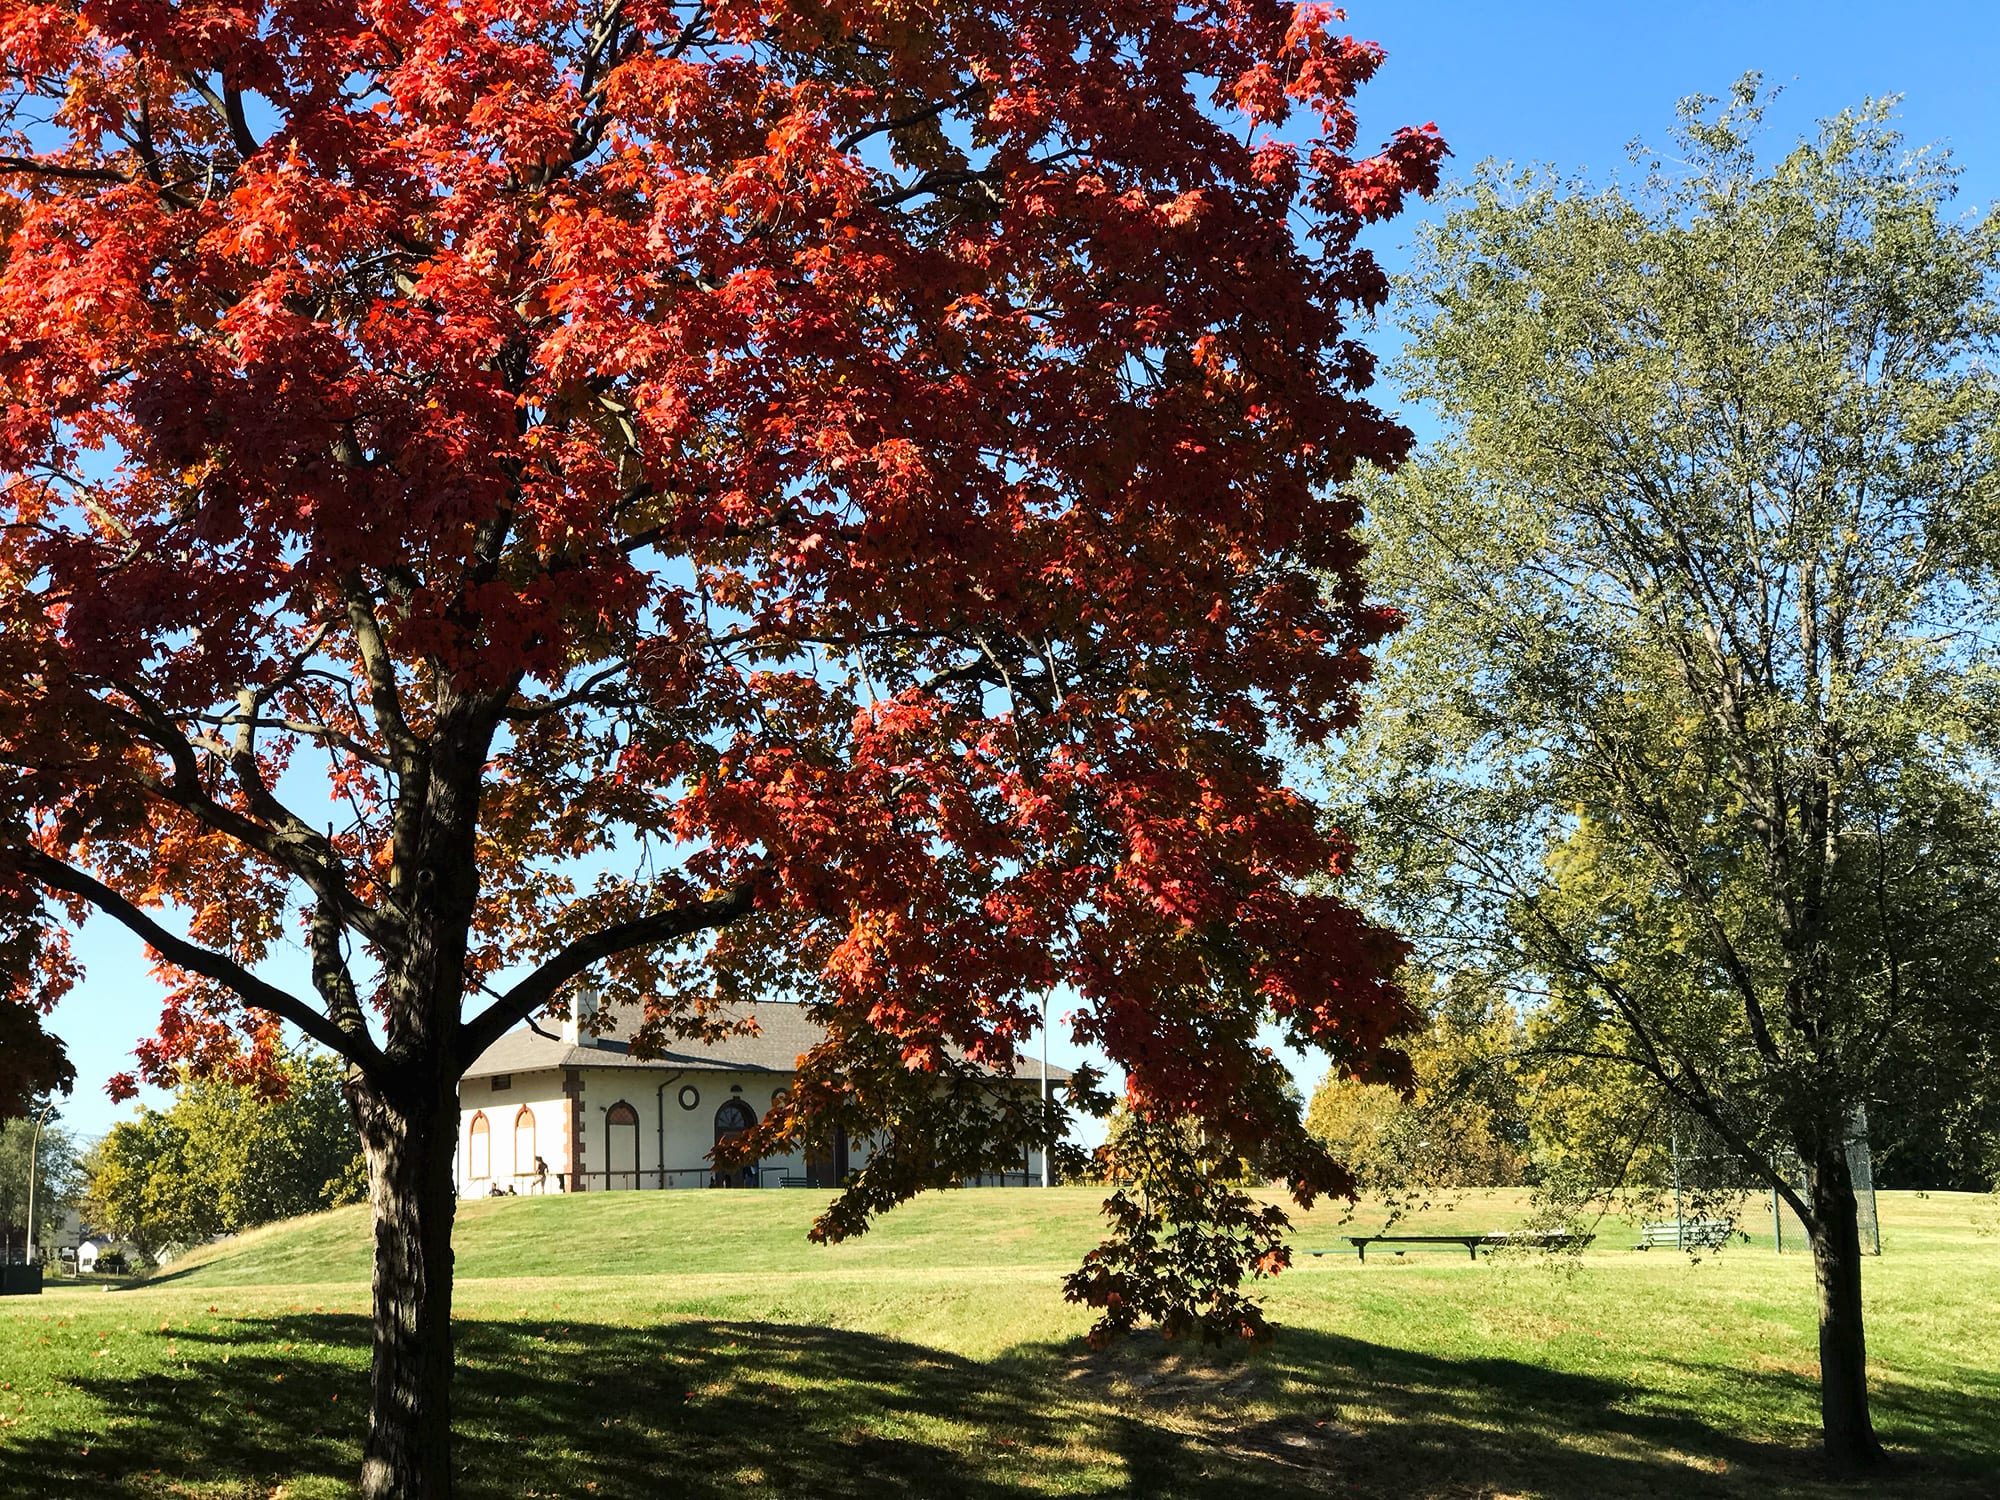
[[1934, 1120], [1459, 1125], [1597, 1128], [1691, 722], [57, 1173], [226, 1157]]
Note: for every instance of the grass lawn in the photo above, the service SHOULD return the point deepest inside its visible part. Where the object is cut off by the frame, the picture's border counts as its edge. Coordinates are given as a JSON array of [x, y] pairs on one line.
[[693, 1345]]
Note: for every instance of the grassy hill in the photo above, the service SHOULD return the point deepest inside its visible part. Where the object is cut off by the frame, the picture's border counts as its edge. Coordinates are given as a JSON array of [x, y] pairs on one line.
[[693, 1344], [664, 1234], [758, 1233]]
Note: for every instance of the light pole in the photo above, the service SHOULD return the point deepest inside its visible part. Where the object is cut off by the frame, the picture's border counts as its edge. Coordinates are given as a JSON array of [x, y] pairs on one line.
[[34, 1159]]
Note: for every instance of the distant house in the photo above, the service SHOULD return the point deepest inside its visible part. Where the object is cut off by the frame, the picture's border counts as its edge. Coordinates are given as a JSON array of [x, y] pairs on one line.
[[103, 1252], [58, 1231], [600, 1119]]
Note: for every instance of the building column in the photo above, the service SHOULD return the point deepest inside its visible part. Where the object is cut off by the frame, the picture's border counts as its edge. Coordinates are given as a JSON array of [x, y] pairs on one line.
[[573, 1093]]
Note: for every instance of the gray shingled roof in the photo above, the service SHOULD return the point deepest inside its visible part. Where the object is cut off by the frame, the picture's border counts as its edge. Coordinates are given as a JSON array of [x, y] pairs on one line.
[[784, 1033]]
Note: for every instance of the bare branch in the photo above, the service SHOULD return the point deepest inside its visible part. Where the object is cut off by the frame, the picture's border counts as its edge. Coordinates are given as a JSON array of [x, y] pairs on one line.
[[540, 987], [294, 844], [35, 167], [383, 693], [53, 873]]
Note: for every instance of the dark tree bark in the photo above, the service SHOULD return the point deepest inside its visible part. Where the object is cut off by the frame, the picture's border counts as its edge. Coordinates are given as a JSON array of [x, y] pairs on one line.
[[1835, 1236], [411, 1139]]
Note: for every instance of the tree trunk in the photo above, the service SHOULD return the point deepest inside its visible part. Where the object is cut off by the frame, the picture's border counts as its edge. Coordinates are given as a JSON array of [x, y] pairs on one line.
[[1851, 1445], [412, 1158]]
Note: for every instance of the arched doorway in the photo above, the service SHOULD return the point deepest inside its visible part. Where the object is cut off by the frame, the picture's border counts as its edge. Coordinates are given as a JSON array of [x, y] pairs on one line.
[[731, 1120], [524, 1146], [481, 1148], [621, 1146]]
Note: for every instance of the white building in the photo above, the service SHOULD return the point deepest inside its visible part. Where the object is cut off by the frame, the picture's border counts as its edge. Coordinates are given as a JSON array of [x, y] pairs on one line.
[[596, 1117], [94, 1247]]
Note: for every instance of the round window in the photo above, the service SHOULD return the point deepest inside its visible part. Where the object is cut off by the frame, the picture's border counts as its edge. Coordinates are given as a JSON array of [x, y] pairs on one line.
[[690, 1097]]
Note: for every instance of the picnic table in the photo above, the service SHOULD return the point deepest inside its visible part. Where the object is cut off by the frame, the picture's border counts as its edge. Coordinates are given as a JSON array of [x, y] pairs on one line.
[[1550, 1239], [1700, 1234]]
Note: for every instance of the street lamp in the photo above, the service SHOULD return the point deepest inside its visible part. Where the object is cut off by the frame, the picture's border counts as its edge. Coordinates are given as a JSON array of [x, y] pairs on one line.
[[34, 1160]]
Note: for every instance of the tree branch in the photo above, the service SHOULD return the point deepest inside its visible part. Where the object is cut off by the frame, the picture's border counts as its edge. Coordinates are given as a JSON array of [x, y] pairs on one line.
[[1683, 1080], [323, 734], [540, 987], [383, 694], [35, 167], [524, 712], [855, 137], [53, 873], [246, 144], [294, 845]]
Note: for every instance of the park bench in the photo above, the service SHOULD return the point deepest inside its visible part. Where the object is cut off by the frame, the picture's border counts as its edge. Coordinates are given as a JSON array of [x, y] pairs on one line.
[[1704, 1234], [1541, 1239], [1361, 1242]]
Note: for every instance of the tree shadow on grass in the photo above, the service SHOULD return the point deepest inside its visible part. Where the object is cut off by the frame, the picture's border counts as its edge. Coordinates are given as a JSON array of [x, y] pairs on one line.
[[700, 1409], [685, 1410], [1430, 1426]]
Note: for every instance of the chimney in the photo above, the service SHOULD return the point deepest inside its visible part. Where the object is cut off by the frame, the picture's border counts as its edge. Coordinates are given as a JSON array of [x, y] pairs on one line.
[[582, 1009]]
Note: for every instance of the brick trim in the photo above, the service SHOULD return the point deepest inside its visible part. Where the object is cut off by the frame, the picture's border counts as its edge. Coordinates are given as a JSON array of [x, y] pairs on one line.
[[573, 1092]]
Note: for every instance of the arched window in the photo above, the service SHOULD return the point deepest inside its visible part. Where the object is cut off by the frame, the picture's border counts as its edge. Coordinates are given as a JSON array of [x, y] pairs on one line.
[[524, 1143], [732, 1119], [480, 1137], [621, 1145]]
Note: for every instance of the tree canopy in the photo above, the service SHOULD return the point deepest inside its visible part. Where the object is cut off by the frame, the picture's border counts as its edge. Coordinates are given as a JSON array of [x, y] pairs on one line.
[[33, 1062], [740, 498], [227, 1156], [57, 1172], [1464, 1122], [1690, 730]]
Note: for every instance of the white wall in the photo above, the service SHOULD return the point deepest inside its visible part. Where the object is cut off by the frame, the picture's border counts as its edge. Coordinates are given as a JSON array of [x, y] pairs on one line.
[[689, 1132], [541, 1094]]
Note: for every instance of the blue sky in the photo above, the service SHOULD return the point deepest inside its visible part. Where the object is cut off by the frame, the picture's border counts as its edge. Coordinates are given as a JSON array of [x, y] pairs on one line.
[[1563, 83]]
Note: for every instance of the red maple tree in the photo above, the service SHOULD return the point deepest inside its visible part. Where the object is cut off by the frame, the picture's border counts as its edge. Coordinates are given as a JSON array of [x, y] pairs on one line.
[[734, 496]]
